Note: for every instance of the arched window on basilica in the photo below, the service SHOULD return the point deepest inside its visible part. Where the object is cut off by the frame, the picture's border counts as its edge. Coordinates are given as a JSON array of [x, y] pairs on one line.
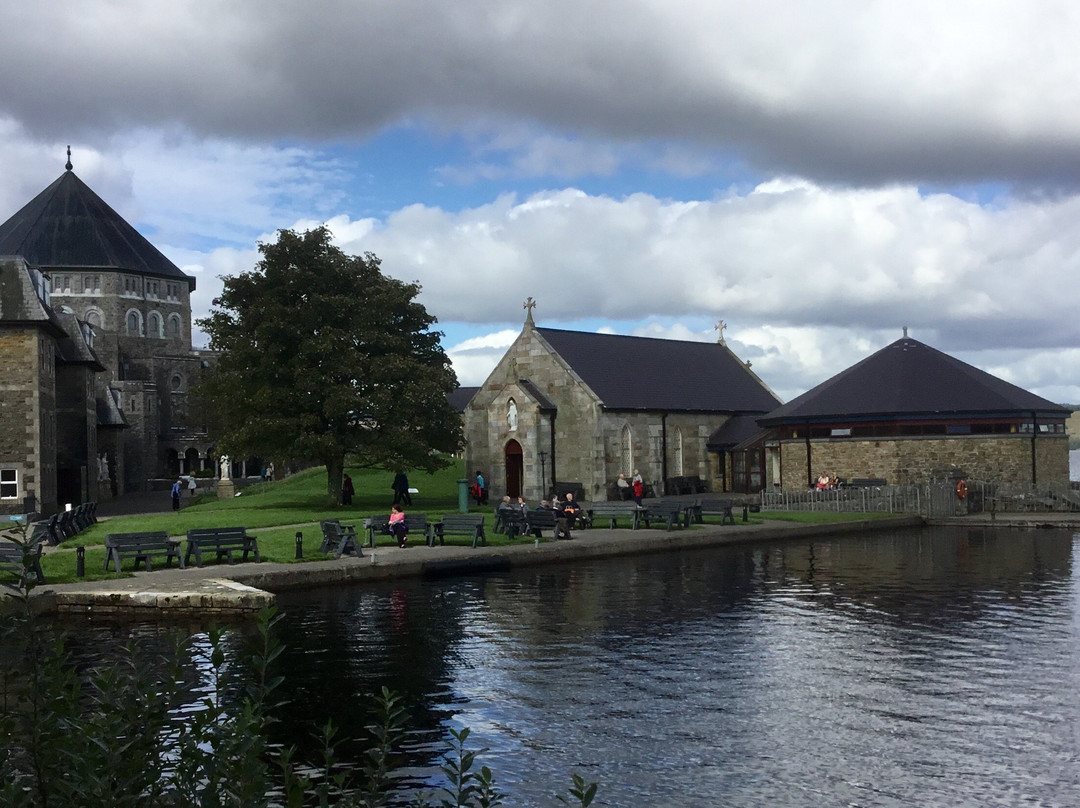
[[134, 323], [94, 318], [172, 327], [154, 326]]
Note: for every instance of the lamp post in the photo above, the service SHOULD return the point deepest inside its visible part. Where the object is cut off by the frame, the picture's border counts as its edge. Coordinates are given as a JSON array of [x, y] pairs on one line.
[[543, 473]]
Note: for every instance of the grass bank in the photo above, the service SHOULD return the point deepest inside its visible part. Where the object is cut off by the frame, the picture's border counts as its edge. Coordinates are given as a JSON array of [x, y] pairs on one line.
[[277, 511]]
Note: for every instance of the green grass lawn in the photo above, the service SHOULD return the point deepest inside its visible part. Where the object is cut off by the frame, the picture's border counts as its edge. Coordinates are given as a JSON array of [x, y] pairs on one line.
[[277, 511]]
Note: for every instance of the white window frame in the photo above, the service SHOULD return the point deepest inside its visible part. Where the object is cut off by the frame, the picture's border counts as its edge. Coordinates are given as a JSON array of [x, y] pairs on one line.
[[9, 482]]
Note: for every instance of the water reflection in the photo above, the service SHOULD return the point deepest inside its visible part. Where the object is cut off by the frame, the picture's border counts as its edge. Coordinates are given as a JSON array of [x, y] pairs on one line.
[[913, 668], [933, 667]]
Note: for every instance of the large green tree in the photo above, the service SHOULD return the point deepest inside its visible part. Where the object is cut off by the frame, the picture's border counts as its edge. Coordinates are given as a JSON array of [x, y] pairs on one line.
[[324, 358]]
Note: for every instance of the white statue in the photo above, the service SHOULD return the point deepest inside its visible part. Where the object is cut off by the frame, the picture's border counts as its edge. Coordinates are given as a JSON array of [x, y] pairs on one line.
[[226, 467], [103, 466], [511, 415]]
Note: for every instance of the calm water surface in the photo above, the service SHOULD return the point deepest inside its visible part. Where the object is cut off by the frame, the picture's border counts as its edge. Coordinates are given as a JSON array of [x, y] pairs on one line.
[[920, 668]]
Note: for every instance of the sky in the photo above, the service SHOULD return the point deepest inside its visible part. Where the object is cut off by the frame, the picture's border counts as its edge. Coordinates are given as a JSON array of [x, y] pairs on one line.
[[818, 176]]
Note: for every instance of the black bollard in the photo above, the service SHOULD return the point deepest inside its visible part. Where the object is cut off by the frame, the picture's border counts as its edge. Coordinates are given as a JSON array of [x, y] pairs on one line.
[[299, 544], [80, 562]]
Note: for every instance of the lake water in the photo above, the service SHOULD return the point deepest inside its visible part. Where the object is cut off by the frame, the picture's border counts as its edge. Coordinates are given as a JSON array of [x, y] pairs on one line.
[[920, 668]]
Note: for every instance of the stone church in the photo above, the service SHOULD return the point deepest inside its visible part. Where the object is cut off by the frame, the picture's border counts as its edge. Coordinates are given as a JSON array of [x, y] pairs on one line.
[[569, 406], [95, 326]]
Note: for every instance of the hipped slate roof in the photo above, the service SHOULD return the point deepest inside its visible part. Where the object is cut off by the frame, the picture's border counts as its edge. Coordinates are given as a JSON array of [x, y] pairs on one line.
[[68, 225], [640, 373], [910, 379]]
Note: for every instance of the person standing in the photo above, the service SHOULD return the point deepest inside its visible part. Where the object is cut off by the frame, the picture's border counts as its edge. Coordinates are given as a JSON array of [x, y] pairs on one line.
[[191, 485], [347, 491], [401, 489], [638, 487], [176, 495], [623, 487], [480, 489]]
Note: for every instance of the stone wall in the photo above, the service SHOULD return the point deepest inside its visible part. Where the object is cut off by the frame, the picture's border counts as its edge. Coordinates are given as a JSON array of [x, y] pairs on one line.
[[906, 461]]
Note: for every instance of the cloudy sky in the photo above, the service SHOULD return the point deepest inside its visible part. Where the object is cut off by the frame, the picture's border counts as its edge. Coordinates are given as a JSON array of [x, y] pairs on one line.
[[817, 175]]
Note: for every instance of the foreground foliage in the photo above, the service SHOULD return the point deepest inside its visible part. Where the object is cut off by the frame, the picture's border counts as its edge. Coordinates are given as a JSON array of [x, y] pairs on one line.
[[186, 725]]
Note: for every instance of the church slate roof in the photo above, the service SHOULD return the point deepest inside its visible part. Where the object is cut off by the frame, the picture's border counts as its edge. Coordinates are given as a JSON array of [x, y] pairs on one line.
[[642, 373], [68, 225], [459, 399], [910, 379]]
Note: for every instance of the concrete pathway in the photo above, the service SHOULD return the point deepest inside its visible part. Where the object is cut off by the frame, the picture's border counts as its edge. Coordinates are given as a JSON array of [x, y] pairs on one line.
[[223, 590]]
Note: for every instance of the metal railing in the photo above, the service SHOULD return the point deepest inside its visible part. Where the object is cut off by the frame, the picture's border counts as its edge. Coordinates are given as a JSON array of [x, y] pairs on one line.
[[932, 500]]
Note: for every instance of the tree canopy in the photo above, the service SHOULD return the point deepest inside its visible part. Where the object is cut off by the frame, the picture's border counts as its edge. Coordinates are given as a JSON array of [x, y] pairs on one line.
[[322, 357]]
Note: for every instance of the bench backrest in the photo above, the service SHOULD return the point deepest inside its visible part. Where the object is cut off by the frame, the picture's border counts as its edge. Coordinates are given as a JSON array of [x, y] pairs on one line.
[[11, 553], [541, 518], [461, 521], [157, 538], [218, 534], [613, 507]]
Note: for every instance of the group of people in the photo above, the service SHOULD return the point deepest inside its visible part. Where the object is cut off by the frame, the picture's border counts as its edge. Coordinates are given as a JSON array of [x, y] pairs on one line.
[[567, 512], [825, 482], [631, 489]]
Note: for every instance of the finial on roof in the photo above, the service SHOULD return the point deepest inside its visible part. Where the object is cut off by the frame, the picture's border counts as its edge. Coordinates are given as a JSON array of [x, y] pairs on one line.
[[68, 164], [529, 305], [720, 326], [905, 332]]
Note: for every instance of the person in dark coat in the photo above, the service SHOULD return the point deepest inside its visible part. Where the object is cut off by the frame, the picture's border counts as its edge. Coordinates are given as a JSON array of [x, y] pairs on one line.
[[176, 495], [347, 491], [401, 489]]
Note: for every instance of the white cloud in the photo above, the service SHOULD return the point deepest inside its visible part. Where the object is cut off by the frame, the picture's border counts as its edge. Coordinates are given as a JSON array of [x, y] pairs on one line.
[[839, 89]]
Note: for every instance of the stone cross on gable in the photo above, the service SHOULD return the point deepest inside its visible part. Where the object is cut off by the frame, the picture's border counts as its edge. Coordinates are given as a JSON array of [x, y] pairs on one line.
[[720, 326], [529, 305]]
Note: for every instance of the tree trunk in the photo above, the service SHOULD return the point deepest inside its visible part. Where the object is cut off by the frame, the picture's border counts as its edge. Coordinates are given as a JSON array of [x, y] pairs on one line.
[[335, 467]]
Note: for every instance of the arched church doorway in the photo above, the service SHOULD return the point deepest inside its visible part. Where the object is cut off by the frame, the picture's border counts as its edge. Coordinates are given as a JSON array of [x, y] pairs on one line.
[[515, 469]]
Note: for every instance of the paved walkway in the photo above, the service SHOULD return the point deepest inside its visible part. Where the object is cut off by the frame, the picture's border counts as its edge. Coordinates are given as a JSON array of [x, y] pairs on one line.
[[223, 589]]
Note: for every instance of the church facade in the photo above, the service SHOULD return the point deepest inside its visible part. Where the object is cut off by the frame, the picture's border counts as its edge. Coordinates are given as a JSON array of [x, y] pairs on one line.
[[110, 409], [568, 406]]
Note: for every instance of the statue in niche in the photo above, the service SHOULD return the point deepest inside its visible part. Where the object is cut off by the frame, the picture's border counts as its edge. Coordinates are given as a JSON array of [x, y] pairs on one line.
[[511, 415]]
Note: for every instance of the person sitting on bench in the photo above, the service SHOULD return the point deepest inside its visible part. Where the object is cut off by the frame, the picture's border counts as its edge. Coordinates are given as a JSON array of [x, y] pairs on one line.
[[568, 513], [398, 529]]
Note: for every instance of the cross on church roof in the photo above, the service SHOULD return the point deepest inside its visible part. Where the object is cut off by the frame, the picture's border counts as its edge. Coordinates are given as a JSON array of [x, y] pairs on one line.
[[529, 305], [720, 326], [68, 164]]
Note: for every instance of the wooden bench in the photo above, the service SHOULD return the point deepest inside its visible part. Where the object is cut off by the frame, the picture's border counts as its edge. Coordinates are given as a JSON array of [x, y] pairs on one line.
[[417, 524], [866, 482], [222, 541], [611, 512], [459, 524], [671, 514], [142, 547], [339, 539], [22, 562], [541, 520], [713, 507]]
